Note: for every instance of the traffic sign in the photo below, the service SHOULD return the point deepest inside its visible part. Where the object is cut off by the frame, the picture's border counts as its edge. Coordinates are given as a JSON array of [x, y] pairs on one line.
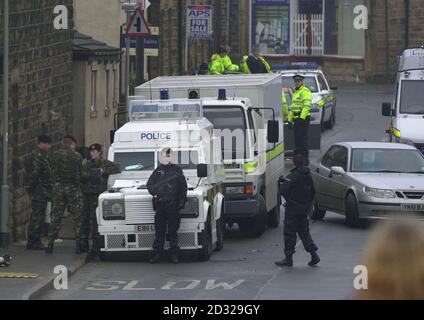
[[144, 4], [138, 26]]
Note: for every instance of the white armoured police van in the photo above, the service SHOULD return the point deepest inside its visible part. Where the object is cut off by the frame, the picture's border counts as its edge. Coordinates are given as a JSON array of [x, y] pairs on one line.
[[407, 110], [125, 212], [246, 110]]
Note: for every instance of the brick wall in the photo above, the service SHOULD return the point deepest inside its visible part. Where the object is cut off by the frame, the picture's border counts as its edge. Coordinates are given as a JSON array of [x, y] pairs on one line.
[[40, 90], [387, 39]]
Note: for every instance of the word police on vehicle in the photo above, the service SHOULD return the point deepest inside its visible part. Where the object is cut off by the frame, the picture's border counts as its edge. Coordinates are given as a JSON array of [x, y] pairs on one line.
[[156, 136]]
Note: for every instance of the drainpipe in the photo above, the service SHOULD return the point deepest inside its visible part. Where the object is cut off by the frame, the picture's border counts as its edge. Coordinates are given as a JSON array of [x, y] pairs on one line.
[[407, 9], [4, 214], [387, 38]]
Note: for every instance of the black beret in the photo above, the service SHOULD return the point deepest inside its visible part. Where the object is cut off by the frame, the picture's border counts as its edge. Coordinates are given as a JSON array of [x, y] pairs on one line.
[[44, 138], [96, 146]]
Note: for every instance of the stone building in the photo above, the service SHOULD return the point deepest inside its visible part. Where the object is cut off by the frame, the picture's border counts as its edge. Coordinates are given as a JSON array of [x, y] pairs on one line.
[[320, 31], [40, 66]]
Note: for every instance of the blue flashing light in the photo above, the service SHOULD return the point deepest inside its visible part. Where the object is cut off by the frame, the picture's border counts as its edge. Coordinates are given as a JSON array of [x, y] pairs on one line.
[[164, 94], [222, 94], [296, 66]]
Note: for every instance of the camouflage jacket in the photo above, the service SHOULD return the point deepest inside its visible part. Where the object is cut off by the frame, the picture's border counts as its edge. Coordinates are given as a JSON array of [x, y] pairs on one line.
[[40, 176], [67, 165], [93, 180]]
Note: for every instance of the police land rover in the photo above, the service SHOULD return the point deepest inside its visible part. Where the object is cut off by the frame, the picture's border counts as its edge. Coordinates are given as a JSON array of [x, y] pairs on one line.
[[125, 213]]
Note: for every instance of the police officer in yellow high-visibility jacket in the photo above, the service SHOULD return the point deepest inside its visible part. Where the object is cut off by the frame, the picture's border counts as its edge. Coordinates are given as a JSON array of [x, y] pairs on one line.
[[299, 116], [221, 62]]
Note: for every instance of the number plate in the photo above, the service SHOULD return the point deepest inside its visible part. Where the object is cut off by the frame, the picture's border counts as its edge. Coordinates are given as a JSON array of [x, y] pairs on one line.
[[413, 207], [145, 228]]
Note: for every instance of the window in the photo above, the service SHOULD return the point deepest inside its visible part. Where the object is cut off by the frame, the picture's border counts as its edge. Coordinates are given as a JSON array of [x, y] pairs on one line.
[[93, 90], [336, 157], [411, 101], [310, 82], [322, 83], [135, 161], [341, 38], [271, 28], [387, 160], [108, 88], [232, 123]]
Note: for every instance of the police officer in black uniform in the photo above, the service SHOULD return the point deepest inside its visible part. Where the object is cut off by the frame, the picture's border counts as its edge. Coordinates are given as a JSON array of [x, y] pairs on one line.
[[299, 192], [168, 187]]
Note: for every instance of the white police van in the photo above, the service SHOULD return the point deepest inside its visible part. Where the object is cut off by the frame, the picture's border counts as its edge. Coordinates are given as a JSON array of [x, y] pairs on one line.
[[254, 159], [407, 109], [125, 212]]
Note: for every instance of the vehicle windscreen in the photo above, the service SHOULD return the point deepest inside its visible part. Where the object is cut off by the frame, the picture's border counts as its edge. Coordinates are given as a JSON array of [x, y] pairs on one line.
[[387, 161], [310, 82], [231, 121], [135, 161], [411, 99]]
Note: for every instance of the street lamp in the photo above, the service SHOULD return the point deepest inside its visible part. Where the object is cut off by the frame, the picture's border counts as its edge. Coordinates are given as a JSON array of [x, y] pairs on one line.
[[4, 213]]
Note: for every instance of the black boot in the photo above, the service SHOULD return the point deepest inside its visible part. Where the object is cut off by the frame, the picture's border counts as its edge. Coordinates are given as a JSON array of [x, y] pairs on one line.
[[286, 262], [315, 259], [84, 246], [155, 258], [174, 258], [50, 246]]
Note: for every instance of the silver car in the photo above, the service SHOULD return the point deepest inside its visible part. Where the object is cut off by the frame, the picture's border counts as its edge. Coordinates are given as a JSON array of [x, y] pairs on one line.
[[369, 180]]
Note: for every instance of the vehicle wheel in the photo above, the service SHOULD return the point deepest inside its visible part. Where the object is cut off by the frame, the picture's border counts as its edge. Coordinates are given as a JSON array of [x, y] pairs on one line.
[[256, 226], [330, 124], [317, 214], [352, 212], [322, 120], [220, 227], [206, 241], [274, 215]]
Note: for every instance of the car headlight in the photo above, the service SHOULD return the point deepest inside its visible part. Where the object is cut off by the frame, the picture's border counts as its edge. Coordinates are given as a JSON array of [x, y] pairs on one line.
[[379, 193], [191, 209], [113, 209]]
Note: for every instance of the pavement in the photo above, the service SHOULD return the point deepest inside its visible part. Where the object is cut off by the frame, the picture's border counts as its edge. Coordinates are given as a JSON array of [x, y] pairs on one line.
[[32, 272]]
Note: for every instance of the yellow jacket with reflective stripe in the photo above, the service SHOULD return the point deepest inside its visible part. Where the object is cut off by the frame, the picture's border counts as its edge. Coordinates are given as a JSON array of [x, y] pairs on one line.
[[228, 64], [216, 67], [285, 106], [245, 68], [301, 103]]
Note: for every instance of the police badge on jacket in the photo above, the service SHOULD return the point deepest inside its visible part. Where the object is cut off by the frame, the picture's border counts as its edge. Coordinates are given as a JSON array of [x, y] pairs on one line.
[[168, 187]]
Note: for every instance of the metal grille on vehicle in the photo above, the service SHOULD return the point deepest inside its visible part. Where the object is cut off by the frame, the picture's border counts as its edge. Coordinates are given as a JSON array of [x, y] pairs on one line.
[[186, 239], [116, 241], [415, 195], [146, 240], [139, 212]]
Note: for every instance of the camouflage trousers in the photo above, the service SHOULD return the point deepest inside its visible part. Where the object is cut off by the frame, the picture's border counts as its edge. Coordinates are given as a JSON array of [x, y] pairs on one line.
[[66, 195], [36, 220], [89, 224]]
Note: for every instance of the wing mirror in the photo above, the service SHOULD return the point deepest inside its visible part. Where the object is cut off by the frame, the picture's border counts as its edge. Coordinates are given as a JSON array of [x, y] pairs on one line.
[[337, 171], [202, 170], [334, 88], [387, 110], [273, 131]]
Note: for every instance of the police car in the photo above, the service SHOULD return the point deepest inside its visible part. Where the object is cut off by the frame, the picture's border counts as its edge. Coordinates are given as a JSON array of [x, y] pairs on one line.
[[323, 110]]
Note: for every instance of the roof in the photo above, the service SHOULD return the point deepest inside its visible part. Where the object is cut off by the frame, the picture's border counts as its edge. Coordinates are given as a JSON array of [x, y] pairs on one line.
[[376, 145], [199, 81], [85, 46]]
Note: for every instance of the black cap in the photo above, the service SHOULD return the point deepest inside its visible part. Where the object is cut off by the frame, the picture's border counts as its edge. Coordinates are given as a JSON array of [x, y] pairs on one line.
[[96, 146], [44, 138], [298, 77]]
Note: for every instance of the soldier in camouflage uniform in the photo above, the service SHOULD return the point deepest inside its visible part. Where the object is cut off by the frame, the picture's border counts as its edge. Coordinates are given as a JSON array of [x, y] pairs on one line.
[[67, 166], [40, 188], [94, 179]]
